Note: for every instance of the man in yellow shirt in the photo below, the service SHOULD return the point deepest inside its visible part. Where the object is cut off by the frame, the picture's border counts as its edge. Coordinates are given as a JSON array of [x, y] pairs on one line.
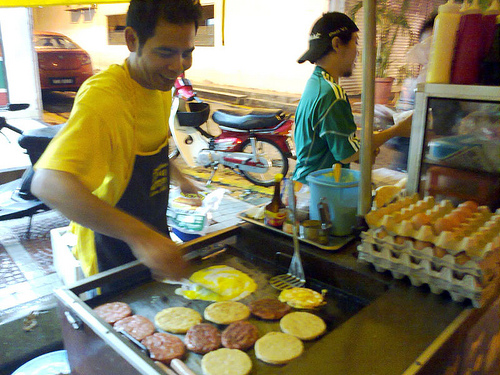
[[108, 168]]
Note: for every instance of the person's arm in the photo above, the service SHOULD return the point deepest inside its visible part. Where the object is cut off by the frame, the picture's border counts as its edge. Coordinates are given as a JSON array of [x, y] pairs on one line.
[[187, 185], [401, 129], [64, 192]]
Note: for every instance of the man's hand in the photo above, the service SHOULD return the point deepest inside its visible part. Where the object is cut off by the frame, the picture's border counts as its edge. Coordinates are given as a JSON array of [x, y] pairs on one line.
[[65, 192], [187, 185], [403, 127], [161, 255]]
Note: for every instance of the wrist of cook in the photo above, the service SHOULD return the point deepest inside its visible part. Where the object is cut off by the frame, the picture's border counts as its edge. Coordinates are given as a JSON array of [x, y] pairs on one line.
[[138, 234]]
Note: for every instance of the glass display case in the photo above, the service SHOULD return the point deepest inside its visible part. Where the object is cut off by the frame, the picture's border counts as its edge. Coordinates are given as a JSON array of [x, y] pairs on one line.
[[455, 143]]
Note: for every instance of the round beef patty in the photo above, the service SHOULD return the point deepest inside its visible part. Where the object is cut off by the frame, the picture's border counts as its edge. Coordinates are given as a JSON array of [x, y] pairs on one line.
[[136, 325], [203, 338], [164, 347], [113, 311], [269, 308], [240, 335]]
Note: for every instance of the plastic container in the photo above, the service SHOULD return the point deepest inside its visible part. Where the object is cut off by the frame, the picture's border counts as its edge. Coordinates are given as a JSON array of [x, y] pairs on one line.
[[443, 43], [342, 198], [46, 364], [469, 47], [184, 236]]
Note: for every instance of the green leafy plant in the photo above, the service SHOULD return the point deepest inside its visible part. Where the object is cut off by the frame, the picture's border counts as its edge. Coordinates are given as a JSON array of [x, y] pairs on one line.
[[391, 21]]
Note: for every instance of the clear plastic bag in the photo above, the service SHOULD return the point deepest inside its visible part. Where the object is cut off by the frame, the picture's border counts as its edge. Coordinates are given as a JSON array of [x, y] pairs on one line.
[[193, 219]]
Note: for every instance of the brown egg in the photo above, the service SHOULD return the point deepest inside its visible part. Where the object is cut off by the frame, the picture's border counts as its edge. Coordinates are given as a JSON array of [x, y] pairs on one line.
[[443, 224], [454, 219], [420, 245], [400, 240], [382, 233], [439, 252], [420, 219], [471, 205], [465, 211], [462, 258]]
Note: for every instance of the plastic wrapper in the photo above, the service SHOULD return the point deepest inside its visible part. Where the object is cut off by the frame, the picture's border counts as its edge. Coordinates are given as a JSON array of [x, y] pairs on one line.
[[302, 197], [193, 219], [476, 145], [485, 125]]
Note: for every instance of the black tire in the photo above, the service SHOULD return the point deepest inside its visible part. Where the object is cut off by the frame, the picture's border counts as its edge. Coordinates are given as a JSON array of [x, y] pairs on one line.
[[271, 151]]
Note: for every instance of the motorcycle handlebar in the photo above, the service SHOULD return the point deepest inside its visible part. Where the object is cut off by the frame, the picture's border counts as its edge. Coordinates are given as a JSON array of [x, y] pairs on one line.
[[3, 124], [17, 107], [12, 107]]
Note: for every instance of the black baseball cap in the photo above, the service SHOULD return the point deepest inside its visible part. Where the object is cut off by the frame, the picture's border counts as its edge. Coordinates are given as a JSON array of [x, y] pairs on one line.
[[324, 30]]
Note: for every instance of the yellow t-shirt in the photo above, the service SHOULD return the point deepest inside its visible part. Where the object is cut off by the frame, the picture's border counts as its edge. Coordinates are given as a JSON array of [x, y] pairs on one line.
[[113, 119]]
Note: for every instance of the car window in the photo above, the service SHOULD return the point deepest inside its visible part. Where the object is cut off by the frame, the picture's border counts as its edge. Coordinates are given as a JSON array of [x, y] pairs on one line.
[[54, 41]]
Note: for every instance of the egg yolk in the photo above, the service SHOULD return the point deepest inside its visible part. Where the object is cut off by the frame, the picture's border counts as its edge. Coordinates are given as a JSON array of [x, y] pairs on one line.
[[218, 283]]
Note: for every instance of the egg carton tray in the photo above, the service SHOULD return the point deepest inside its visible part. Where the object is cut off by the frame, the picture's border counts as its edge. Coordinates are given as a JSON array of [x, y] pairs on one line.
[[407, 249], [460, 285], [474, 232]]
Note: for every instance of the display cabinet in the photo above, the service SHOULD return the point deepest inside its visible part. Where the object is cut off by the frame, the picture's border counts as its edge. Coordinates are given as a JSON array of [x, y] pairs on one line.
[[455, 143]]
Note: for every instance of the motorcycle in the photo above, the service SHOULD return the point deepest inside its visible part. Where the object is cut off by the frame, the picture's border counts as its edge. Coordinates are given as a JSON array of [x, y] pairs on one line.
[[16, 200], [254, 144]]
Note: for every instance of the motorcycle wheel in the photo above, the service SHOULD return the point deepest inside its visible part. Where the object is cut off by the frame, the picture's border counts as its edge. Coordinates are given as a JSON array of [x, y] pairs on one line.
[[173, 154], [276, 157]]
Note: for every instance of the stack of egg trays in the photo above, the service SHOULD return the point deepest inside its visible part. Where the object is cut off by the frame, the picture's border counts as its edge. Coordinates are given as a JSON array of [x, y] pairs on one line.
[[422, 267]]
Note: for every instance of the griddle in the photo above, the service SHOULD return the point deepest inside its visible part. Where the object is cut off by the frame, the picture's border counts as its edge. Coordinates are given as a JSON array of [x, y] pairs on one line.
[[94, 347]]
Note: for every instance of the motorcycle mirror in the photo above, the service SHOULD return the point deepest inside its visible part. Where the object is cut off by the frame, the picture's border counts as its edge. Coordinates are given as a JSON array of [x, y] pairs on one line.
[[17, 107]]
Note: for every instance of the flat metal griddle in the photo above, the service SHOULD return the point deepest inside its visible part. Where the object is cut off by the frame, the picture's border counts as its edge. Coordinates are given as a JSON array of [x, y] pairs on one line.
[[148, 297]]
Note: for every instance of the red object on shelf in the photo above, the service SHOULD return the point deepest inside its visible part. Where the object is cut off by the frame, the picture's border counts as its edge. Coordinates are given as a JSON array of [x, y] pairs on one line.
[[469, 47], [464, 185]]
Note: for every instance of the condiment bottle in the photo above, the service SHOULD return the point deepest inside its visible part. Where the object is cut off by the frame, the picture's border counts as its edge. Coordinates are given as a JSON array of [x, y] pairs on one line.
[[490, 67], [489, 25], [468, 47], [275, 212], [443, 43]]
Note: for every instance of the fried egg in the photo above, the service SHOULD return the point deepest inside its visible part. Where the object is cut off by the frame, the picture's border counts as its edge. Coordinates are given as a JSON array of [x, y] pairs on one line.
[[302, 298], [218, 283]]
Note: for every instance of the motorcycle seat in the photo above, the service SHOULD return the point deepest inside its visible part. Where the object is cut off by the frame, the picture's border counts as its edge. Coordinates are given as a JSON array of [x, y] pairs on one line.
[[248, 120], [35, 141]]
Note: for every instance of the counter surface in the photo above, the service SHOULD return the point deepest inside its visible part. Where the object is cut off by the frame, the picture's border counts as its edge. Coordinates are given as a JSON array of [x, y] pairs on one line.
[[377, 325]]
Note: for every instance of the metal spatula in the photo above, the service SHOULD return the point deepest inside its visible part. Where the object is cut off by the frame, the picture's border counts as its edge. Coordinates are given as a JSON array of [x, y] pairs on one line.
[[295, 276]]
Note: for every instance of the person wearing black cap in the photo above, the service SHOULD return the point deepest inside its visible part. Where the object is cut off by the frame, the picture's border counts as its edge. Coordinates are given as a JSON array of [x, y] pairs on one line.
[[325, 132]]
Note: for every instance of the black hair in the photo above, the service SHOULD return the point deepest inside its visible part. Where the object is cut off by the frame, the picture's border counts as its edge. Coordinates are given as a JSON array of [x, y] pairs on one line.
[[344, 37], [428, 23], [143, 15]]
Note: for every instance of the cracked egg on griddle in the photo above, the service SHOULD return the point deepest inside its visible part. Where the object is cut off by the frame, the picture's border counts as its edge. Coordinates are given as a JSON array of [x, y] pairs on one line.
[[217, 283]]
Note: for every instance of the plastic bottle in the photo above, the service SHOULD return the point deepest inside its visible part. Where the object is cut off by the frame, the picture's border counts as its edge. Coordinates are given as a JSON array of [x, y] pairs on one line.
[[443, 43], [489, 25], [490, 66], [468, 47], [275, 211]]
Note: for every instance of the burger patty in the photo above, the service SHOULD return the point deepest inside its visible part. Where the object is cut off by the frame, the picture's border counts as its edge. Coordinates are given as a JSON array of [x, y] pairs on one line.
[[136, 325], [164, 347], [240, 335], [203, 338], [113, 311], [269, 308]]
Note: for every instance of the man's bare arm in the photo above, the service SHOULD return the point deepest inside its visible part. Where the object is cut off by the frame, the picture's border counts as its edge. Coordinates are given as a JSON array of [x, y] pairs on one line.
[[401, 129], [64, 192]]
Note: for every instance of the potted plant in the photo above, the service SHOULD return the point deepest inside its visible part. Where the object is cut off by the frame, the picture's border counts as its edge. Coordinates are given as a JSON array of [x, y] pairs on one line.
[[391, 21]]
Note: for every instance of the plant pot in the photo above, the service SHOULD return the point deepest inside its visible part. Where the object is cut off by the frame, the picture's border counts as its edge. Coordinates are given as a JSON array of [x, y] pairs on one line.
[[383, 88]]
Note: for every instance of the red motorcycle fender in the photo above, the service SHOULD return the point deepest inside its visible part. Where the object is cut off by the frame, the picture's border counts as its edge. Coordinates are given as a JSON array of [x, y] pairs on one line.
[[231, 141]]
